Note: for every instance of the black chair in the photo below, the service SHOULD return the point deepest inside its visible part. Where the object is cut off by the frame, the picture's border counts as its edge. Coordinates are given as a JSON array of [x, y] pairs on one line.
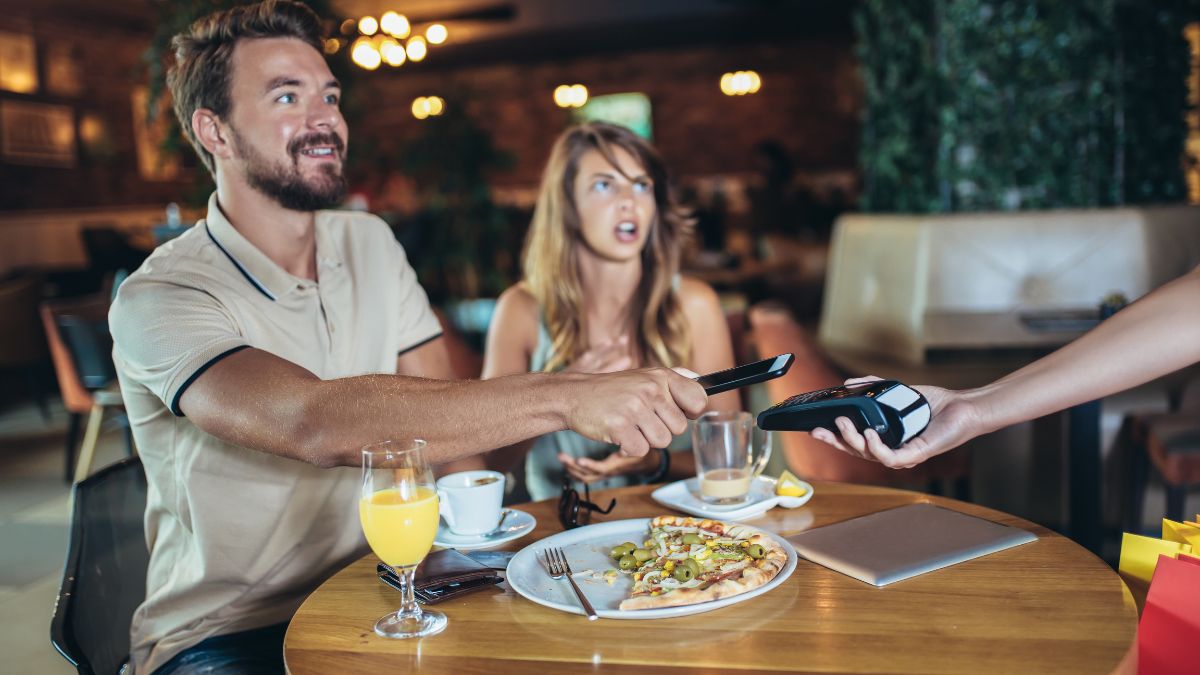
[[90, 345], [108, 250], [104, 580], [1170, 444], [81, 349]]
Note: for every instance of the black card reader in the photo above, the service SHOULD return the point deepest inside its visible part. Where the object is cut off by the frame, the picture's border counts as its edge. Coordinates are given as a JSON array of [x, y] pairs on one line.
[[894, 410]]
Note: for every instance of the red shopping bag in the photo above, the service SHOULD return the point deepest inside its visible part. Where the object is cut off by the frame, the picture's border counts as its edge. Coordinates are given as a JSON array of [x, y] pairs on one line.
[[1169, 632]]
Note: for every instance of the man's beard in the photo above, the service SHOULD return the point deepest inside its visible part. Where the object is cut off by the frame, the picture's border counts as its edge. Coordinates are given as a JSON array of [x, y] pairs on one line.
[[286, 185]]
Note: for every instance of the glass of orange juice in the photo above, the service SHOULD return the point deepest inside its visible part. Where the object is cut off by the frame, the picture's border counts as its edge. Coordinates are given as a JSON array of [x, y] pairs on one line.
[[399, 514]]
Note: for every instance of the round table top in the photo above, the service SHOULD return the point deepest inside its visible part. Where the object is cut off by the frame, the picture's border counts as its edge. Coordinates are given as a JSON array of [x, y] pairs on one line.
[[1047, 606]]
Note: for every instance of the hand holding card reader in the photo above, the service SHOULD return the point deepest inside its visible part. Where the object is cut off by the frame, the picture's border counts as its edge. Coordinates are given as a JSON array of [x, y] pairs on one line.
[[895, 411]]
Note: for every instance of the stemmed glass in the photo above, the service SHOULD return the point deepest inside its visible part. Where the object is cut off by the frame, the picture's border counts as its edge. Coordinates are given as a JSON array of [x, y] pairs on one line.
[[399, 514]]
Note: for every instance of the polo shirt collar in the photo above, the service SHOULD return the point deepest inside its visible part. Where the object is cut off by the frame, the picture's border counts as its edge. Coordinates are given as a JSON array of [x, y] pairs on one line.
[[260, 271]]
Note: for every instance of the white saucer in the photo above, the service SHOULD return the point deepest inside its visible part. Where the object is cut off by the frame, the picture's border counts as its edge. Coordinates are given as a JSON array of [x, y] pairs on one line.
[[516, 526], [684, 495]]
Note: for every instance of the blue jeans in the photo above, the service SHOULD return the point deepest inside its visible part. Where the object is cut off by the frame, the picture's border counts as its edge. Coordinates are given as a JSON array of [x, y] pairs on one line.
[[252, 652]]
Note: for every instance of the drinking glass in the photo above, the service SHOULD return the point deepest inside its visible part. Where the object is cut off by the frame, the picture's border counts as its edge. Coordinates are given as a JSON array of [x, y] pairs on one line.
[[730, 452], [398, 509]]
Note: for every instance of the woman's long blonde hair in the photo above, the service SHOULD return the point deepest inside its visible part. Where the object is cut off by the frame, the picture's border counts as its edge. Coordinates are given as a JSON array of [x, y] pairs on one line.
[[551, 258]]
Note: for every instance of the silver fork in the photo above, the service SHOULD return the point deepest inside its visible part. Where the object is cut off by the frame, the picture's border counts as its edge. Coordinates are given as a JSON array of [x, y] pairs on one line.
[[558, 567]]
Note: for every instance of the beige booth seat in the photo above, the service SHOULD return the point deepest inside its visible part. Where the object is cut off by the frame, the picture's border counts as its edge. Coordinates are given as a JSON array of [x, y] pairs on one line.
[[51, 239], [900, 286]]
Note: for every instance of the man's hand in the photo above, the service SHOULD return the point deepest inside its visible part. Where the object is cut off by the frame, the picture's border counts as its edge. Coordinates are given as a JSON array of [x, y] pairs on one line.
[[590, 470], [954, 421], [636, 409], [610, 357]]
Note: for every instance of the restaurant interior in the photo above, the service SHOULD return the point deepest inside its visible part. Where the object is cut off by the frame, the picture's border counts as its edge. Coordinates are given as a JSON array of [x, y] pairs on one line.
[[933, 192]]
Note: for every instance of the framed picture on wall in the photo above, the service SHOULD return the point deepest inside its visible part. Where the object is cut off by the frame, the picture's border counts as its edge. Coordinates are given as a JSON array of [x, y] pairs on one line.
[[37, 133], [18, 63]]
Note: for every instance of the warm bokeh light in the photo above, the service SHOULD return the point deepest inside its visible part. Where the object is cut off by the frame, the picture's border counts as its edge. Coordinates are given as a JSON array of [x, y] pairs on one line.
[[727, 84], [570, 95], [365, 55], [91, 129], [368, 25], [436, 34], [740, 83], [349, 26], [1191, 33], [416, 48], [392, 52], [332, 45], [755, 81], [427, 106], [420, 108], [395, 24]]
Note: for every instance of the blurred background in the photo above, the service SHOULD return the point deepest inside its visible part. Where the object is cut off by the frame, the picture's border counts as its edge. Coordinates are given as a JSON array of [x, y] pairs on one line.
[[931, 190]]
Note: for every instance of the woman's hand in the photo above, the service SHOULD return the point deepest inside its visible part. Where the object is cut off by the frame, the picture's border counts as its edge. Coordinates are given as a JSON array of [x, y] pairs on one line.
[[954, 421], [590, 470], [609, 357]]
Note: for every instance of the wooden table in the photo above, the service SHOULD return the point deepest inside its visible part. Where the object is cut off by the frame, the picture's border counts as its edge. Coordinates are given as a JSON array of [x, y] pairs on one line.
[[1049, 607]]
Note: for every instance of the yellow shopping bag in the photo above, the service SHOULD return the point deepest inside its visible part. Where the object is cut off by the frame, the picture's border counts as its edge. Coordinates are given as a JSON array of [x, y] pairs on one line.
[[1139, 557]]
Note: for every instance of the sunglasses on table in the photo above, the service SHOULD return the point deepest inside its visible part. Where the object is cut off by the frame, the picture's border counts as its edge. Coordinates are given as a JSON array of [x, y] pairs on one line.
[[573, 510]]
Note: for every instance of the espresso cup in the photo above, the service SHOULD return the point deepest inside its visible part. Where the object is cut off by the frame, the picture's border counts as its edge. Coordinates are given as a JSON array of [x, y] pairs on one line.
[[730, 452], [469, 501]]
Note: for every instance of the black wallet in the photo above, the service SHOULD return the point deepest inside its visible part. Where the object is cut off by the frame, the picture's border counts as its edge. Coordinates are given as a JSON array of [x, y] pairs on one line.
[[443, 575]]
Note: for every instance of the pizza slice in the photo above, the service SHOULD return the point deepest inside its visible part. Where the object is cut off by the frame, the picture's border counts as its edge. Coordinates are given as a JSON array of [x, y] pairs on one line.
[[686, 561]]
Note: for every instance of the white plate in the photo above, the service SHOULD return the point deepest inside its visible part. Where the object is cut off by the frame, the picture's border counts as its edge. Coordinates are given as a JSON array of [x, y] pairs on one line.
[[587, 550], [518, 525], [685, 496]]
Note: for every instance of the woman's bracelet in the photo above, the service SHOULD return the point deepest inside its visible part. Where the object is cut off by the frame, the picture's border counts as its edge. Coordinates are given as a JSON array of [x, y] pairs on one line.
[[664, 467]]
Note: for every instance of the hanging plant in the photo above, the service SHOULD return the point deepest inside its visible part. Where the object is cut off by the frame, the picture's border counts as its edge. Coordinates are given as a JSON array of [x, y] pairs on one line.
[[978, 105]]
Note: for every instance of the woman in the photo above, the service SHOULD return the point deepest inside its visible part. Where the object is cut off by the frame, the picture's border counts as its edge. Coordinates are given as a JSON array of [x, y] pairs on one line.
[[602, 293]]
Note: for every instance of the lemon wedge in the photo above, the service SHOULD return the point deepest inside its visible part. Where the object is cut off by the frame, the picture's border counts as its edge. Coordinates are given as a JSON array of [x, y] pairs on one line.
[[789, 485]]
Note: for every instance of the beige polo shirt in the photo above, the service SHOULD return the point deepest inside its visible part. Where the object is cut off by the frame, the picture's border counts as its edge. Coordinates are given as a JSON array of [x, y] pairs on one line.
[[238, 537]]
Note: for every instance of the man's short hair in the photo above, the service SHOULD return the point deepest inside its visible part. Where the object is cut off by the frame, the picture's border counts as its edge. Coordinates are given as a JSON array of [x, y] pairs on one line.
[[200, 77]]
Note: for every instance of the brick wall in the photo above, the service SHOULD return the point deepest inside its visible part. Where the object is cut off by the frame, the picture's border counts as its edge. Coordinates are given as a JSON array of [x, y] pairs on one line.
[[105, 173], [809, 103]]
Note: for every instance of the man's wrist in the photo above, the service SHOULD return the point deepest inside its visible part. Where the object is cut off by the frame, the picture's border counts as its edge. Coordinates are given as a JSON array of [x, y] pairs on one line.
[[560, 391]]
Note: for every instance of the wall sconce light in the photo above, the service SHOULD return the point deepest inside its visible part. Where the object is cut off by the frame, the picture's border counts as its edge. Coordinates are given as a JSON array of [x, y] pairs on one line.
[[428, 106], [740, 83], [570, 95]]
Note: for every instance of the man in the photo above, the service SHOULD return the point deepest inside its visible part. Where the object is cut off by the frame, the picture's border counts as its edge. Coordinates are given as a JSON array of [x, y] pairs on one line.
[[259, 352]]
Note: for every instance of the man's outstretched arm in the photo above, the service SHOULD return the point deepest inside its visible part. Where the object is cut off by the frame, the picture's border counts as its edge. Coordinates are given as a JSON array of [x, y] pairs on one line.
[[257, 400]]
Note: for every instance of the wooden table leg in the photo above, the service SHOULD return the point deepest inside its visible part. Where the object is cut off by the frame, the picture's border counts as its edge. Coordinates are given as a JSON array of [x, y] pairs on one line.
[[86, 453]]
